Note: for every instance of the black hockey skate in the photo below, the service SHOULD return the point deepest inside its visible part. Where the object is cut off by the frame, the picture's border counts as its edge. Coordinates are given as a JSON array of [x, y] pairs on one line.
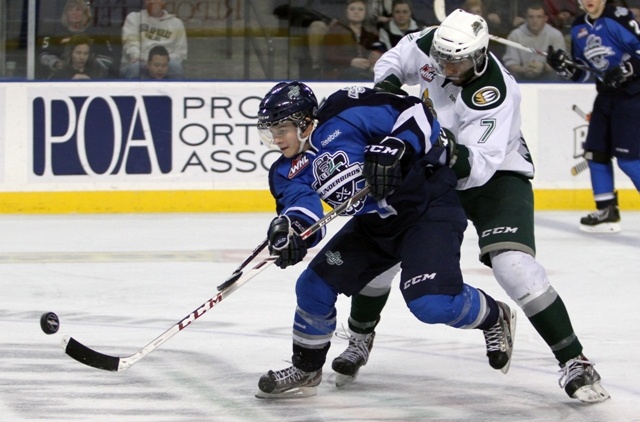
[[355, 355], [581, 381], [499, 339], [605, 220], [287, 383]]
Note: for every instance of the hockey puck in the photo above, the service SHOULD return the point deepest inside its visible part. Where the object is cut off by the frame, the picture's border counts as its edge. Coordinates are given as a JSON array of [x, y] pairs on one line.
[[49, 323]]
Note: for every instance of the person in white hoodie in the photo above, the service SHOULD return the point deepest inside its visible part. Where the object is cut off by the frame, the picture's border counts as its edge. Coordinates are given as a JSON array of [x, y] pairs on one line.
[[401, 24], [146, 29]]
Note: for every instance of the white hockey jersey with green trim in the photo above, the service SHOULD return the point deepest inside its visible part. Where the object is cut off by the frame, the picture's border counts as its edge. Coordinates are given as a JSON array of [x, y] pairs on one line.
[[484, 114]]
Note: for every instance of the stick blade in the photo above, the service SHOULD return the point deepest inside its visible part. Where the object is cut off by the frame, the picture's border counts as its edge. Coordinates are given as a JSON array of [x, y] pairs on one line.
[[228, 282], [88, 356]]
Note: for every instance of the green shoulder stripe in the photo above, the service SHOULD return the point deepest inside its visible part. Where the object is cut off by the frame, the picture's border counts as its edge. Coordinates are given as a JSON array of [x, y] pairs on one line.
[[425, 39], [488, 91]]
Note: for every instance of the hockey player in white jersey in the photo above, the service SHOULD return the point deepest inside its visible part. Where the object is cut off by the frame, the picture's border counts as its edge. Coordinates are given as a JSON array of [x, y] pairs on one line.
[[476, 98]]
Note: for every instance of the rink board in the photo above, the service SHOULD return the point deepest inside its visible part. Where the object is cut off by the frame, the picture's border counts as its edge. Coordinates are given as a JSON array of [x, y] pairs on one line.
[[98, 147]]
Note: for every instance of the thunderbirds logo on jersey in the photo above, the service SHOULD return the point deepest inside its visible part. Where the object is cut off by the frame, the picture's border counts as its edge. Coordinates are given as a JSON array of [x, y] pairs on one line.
[[297, 165], [486, 96], [102, 135], [596, 53], [336, 180], [428, 72]]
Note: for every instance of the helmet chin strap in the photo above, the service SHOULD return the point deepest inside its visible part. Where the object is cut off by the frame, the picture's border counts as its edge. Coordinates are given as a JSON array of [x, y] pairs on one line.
[[303, 140]]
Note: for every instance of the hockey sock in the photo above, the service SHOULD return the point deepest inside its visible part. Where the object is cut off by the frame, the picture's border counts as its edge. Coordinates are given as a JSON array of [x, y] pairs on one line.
[[554, 326], [365, 312], [602, 181], [309, 360], [493, 313]]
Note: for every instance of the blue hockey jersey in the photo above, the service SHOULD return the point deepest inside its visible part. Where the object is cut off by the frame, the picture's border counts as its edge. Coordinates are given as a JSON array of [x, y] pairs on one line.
[[614, 38], [331, 169]]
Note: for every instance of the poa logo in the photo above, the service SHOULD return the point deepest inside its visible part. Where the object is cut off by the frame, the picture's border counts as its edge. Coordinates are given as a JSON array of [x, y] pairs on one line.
[[102, 135]]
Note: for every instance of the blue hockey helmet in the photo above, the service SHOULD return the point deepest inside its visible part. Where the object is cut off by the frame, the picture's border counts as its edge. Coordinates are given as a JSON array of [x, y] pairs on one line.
[[292, 101]]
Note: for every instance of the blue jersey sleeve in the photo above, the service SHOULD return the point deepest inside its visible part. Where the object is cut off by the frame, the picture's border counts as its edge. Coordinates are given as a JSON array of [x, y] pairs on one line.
[[296, 198]]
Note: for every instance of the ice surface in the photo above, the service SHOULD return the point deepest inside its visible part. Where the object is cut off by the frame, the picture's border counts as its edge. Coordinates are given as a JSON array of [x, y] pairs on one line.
[[119, 281]]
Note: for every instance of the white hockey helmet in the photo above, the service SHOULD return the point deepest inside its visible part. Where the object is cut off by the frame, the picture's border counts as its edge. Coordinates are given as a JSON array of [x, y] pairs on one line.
[[460, 46]]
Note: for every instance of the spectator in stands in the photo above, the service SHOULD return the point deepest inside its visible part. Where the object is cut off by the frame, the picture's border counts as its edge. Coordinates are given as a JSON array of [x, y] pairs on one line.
[[78, 61], [379, 12], [75, 20], [561, 15], [538, 34], [351, 47], [157, 67], [561, 12], [146, 29], [401, 24], [497, 13]]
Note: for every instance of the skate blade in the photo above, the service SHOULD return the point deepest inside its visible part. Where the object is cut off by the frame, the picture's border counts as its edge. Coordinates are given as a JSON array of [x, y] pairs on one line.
[[594, 393], [294, 393], [601, 228], [342, 380], [512, 323]]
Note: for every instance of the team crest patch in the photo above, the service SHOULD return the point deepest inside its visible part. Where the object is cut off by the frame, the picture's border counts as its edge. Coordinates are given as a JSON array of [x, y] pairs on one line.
[[427, 72], [334, 258], [297, 165], [582, 33], [476, 27], [486, 96], [294, 92]]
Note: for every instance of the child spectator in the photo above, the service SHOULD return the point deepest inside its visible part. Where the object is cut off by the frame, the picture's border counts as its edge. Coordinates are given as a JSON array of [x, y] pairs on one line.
[[157, 64], [78, 61], [146, 29]]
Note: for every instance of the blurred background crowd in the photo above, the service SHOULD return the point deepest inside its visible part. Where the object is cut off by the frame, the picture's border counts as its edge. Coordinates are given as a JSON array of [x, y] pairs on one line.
[[254, 39]]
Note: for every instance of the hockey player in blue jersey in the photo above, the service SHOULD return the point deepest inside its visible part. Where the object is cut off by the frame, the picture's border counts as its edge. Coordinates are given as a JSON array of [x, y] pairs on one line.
[[413, 215], [607, 39]]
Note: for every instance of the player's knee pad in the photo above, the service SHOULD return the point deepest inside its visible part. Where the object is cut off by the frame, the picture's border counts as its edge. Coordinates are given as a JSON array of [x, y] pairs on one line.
[[520, 275], [314, 295], [459, 311], [597, 157], [381, 285]]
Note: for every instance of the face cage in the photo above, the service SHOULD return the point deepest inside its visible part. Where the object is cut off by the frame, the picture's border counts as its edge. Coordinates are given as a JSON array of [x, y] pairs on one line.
[[299, 120], [442, 59]]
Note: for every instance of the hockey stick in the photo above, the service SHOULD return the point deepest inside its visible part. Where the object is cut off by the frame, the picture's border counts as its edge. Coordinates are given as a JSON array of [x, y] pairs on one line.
[[95, 359], [238, 272], [584, 164], [519, 46]]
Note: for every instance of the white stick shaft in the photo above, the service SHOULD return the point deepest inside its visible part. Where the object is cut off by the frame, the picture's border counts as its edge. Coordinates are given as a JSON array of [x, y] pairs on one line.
[[519, 46]]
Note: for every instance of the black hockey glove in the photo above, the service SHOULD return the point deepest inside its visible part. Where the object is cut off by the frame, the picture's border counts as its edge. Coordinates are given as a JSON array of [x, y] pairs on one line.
[[382, 168], [387, 86], [284, 242], [558, 59], [447, 140], [616, 77]]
